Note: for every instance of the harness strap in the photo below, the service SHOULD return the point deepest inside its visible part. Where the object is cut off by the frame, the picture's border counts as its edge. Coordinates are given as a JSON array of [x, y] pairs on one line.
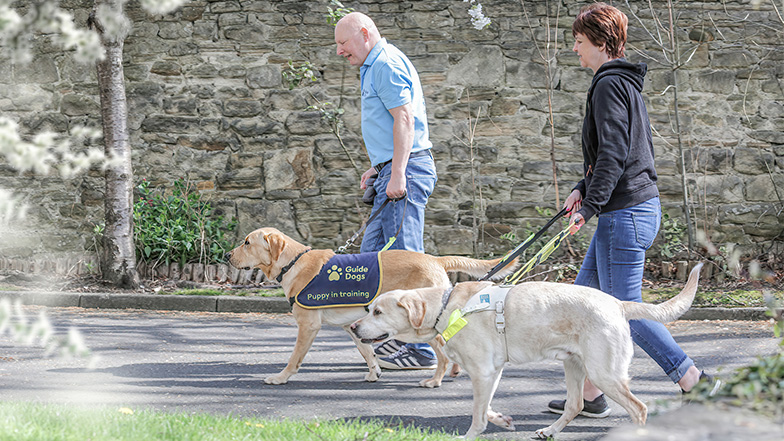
[[286, 268]]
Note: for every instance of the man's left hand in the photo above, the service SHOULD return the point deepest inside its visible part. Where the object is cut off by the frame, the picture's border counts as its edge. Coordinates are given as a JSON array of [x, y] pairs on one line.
[[396, 188]]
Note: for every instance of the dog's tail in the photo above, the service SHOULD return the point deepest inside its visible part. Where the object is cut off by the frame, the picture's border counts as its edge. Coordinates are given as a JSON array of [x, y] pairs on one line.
[[669, 310], [476, 267]]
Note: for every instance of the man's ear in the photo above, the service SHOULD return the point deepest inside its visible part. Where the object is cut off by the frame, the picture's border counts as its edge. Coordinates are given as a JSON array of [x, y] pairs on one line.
[[276, 245], [416, 309]]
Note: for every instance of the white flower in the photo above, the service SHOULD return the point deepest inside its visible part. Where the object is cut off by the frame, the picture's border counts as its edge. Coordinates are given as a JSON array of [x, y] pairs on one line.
[[161, 6], [10, 22], [478, 19]]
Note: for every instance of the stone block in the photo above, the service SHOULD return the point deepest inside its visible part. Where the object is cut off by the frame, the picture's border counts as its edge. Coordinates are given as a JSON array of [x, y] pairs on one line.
[[264, 77], [41, 69], [183, 48], [166, 68], [714, 81], [241, 108], [306, 123], [721, 188], [289, 169], [765, 188], [181, 105], [454, 241], [481, 67], [753, 161], [171, 124]]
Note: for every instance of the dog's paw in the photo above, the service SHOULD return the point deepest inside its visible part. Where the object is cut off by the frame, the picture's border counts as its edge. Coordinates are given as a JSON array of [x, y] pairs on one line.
[[277, 379], [455, 370], [499, 420], [545, 433], [373, 375], [430, 383]]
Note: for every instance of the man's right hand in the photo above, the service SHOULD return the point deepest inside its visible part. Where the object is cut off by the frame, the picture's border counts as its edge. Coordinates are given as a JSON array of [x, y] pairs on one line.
[[363, 180]]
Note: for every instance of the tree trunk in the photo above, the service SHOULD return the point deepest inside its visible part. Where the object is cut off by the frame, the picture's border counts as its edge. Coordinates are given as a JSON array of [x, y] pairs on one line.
[[118, 259]]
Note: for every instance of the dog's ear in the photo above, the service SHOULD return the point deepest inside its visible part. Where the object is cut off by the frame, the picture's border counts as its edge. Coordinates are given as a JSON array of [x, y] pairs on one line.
[[276, 245], [416, 309]]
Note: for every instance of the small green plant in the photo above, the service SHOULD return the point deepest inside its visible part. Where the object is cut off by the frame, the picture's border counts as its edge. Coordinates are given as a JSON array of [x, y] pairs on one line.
[[340, 11], [672, 232], [758, 386], [178, 227], [296, 75]]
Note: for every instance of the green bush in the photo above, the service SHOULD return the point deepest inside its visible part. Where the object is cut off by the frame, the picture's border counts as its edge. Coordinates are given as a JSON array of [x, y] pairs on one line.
[[178, 227]]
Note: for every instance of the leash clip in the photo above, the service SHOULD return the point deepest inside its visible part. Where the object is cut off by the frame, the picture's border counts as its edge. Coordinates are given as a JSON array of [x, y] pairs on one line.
[[500, 323]]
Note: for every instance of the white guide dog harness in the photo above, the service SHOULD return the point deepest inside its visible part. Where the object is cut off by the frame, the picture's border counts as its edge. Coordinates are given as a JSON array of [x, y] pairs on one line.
[[491, 298]]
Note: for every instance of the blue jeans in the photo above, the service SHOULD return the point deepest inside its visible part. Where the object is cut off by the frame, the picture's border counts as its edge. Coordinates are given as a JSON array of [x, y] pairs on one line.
[[408, 215], [614, 264]]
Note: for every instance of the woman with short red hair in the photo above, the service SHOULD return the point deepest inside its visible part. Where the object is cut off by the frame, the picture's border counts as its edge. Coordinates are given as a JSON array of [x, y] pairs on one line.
[[619, 187]]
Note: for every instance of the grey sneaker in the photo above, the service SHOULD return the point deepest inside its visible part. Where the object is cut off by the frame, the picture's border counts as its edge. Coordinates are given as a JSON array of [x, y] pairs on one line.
[[389, 347], [407, 359], [597, 408]]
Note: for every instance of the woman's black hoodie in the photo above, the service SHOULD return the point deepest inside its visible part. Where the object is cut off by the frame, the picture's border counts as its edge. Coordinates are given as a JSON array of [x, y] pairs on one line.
[[616, 139]]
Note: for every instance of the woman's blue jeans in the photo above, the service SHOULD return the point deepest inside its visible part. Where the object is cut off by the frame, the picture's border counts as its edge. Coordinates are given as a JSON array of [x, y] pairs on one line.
[[614, 264], [407, 215]]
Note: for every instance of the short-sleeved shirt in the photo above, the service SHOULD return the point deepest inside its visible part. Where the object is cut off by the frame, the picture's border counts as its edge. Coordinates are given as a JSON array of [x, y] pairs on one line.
[[389, 80]]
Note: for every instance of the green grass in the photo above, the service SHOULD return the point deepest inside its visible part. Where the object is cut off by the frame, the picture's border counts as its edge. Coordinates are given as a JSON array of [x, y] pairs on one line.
[[35, 422], [730, 299], [276, 292]]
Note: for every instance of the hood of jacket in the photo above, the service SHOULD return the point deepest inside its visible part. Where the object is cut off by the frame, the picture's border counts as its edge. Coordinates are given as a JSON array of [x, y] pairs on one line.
[[634, 73]]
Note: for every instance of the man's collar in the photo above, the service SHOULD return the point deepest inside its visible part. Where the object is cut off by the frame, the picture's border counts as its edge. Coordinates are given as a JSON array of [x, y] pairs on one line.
[[375, 52]]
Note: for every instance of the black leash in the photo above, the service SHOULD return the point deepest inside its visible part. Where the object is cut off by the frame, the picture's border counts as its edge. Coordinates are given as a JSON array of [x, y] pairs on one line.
[[350, 242], [522, 247]]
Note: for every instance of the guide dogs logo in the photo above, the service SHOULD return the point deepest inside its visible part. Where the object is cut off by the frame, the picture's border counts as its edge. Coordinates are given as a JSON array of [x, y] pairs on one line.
[[346, 279], [334, 273], [355, 273]]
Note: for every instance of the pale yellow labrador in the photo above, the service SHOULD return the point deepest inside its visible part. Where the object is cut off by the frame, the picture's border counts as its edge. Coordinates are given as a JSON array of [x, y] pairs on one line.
[[583, 327], [276, 253]]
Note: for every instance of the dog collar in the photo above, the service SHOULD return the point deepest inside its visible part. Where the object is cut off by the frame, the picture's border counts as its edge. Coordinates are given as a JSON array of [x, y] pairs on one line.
[[444, 300], [286, 268]]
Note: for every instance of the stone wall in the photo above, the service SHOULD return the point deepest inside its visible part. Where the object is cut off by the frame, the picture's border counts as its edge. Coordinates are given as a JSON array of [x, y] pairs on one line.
[[207, 101]]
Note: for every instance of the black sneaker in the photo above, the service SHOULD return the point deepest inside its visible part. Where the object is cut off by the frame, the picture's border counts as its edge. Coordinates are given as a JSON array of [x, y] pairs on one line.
[[707, 383], [597, 408], [389, 347], [407, 359]]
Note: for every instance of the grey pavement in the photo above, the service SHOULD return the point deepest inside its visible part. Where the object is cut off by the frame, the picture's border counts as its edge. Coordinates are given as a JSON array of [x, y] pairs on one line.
[[216, 362]]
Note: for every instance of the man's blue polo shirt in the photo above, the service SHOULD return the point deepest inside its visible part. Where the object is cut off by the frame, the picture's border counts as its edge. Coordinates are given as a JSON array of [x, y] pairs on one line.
[[389, 80]]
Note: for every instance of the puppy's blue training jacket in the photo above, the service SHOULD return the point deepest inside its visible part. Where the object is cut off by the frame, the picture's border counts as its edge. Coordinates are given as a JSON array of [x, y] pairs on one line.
[[345, 280]]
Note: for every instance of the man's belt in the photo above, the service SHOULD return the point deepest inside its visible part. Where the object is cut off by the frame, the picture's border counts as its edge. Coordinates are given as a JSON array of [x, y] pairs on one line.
[[424, 152]]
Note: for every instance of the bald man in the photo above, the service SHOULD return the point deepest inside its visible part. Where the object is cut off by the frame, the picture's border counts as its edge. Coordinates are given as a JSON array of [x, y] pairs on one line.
[[394, 128]]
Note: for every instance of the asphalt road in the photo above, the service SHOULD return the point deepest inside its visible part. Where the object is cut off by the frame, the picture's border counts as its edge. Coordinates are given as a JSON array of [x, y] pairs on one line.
[[216, 363]]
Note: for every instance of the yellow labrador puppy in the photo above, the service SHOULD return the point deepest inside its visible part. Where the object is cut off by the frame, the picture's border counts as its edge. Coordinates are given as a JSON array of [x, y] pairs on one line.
[[273, 252], [585, 328]]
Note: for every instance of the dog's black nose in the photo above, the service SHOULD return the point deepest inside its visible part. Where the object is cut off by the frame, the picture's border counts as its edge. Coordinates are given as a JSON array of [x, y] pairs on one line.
[[227, 256]]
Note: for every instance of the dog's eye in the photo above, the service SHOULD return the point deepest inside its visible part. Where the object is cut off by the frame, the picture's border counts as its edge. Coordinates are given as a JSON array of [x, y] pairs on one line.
[[247, 242], [376, 312]]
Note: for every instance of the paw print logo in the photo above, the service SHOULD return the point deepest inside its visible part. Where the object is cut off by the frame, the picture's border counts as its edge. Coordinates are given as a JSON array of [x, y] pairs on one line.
[[334, 273]]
